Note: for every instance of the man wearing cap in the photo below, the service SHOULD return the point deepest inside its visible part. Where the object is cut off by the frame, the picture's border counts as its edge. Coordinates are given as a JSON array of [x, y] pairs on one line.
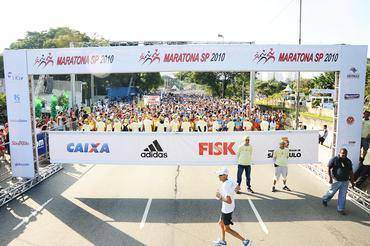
[[244, 156], [280, 158], [226, 195]]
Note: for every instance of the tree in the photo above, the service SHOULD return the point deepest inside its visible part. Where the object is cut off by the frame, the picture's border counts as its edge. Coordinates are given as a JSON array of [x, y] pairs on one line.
[[217, 82], [149, 81], [324, 81], [268, 88]]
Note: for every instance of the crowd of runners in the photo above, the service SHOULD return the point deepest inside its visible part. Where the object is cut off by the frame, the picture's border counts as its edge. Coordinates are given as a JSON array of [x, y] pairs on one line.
[[176, 113]]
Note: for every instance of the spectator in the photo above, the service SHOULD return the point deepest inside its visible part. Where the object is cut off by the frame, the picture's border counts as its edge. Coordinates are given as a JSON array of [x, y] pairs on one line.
[[340, 171], [324, 135]]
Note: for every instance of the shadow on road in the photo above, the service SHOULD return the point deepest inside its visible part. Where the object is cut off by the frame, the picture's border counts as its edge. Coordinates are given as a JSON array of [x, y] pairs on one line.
[[96, 231]]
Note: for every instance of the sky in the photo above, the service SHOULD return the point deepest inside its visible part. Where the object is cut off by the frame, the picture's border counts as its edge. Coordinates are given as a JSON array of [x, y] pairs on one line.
[[262, 21]]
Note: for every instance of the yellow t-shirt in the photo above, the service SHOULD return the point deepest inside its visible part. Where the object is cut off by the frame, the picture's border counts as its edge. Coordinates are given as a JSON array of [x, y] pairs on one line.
[[365, 128], [100, 126], [244, 155], [117, 126], [281, 156], [247, 125]]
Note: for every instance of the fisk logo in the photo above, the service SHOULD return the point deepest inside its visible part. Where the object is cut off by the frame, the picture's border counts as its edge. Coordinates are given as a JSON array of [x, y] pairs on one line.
[[218, 148], [154, 150], [88, 148]]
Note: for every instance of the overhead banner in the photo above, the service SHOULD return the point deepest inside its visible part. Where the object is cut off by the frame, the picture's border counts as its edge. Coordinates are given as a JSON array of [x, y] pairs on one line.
[[19, 115], [177, 148], [152, 100], [191, 57]]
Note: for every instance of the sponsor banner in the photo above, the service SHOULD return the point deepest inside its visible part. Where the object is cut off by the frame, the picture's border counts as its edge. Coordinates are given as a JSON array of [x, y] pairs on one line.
[[194, 57], [177, 148], [152, 100], [351, 101], [41, 146], [19, 115]]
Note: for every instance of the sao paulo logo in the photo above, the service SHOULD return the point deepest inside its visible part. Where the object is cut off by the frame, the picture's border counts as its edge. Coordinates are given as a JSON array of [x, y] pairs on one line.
[[154, 150], [88, 147]]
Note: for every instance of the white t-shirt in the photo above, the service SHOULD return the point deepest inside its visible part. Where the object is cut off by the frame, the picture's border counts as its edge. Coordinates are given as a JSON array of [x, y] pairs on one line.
[[230, 126], [185, 126], [264, 125], [160, 127], [228, 189], [148, 125], [134, 126]]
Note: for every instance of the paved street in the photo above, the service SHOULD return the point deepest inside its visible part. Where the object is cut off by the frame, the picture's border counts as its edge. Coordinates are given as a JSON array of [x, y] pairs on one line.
[[140, 205]]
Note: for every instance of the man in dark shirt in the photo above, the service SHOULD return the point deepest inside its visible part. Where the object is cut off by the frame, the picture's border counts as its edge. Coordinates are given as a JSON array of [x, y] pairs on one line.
[[340, 171]]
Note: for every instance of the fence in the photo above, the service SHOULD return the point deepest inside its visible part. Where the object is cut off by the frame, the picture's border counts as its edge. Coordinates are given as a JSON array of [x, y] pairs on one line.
[[18, 186]]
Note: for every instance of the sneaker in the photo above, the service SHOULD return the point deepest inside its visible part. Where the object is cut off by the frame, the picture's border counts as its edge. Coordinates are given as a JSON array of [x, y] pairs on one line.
[[247, 242], [324, 203], [250, 190], [286, 188], [342, 212], [220, 242], [273, 189]]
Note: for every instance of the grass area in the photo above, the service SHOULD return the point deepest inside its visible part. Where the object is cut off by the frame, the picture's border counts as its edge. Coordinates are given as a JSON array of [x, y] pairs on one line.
[[292, 112], [275, 107], [316, 116]]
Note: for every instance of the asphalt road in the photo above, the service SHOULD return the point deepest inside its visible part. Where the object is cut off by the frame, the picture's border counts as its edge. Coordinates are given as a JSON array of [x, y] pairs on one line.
[[141, 205]]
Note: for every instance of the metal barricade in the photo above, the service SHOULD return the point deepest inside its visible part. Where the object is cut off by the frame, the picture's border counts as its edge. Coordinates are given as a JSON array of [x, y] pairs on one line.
[[18, 186], [358, 197]]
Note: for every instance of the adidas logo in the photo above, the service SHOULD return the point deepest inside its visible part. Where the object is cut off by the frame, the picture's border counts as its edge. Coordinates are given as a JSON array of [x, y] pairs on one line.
[[154, 150]]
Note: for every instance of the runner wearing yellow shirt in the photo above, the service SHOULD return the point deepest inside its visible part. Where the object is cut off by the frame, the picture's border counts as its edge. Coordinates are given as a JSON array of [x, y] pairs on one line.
[[365, 133], [280, 158], [244, 156]]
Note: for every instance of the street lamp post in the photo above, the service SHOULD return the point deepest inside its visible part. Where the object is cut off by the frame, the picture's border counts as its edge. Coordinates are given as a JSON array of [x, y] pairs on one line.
[[299, 74]]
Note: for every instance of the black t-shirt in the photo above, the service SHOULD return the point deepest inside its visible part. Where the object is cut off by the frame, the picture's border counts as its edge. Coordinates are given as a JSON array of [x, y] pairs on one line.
[[341, 168]]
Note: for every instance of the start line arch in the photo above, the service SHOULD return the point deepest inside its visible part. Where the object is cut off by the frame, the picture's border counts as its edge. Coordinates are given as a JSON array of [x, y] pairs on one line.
[[20, 65]]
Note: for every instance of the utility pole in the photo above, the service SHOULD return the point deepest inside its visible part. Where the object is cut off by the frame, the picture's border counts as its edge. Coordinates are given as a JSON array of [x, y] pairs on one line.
[[73, 84], [299, 74]]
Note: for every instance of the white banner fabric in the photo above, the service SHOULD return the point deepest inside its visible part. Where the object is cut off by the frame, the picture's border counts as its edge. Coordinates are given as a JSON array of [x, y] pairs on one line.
[[19, 115], [192, 57], [177, 148], [152, 100]]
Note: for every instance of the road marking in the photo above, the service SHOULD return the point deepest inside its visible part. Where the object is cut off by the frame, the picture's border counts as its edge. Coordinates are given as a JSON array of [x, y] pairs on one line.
[[145, 213], [263, 226], [33, 214]]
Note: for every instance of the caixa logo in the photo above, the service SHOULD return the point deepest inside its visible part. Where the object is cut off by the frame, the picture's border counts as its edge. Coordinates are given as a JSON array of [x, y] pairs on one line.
[[88, 147]]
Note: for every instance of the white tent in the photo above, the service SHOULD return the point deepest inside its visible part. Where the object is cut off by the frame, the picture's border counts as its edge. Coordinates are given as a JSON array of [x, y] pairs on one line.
[[288, 89]]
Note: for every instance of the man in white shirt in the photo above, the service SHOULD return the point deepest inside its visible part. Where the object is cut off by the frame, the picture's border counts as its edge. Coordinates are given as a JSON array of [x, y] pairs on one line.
[[264, 124], [117, 126], [226, 194], [148, 123]]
